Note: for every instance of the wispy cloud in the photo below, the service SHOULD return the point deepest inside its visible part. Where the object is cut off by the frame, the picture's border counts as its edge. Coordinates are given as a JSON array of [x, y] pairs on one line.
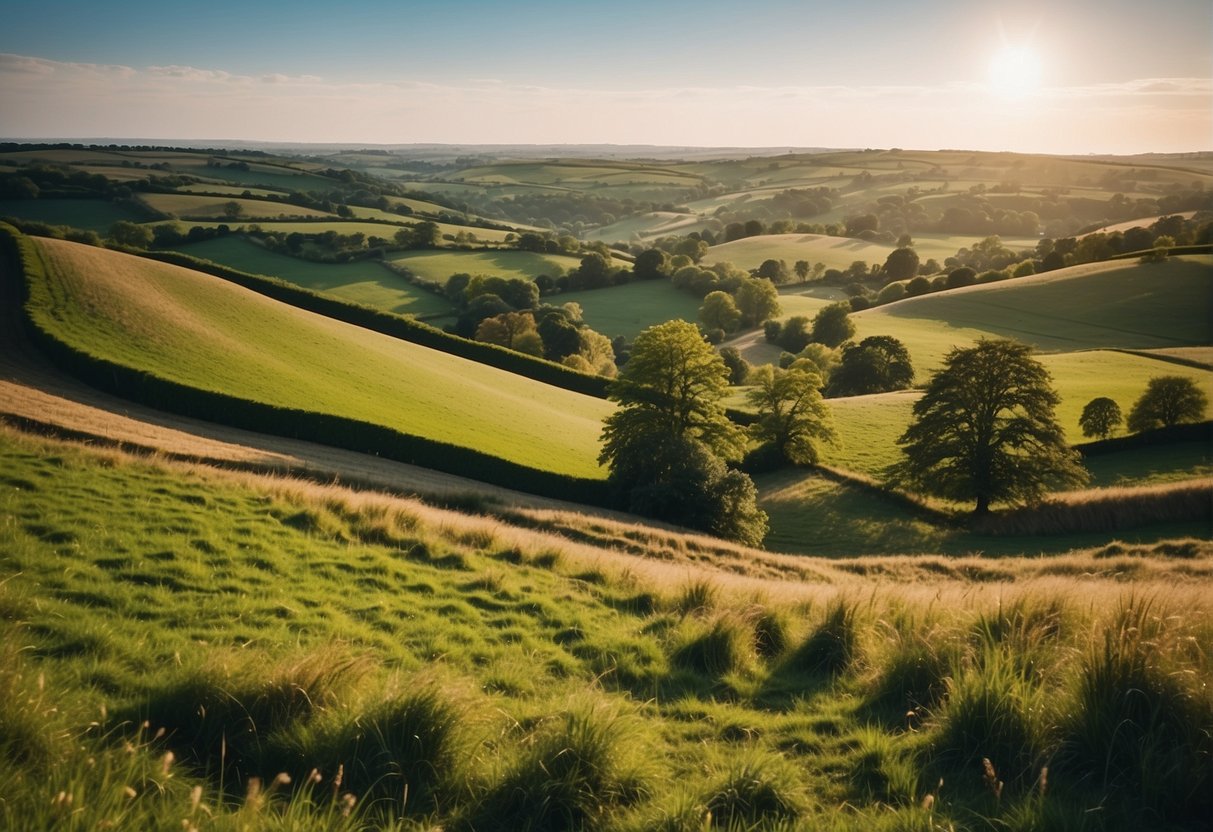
[[41, 97]]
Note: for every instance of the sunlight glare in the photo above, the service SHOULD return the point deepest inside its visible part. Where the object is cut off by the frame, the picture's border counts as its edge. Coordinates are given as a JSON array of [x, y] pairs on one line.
[[1015, 71]]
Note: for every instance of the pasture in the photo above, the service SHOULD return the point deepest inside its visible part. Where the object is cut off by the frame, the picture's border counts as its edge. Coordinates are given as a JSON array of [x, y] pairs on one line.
[[629, 309], [363, 282], [201, 332], [198, 206], [835, 252], [439, 265], [1114, 304]]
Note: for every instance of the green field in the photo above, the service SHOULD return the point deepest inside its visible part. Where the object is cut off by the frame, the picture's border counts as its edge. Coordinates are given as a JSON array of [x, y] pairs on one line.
[[196, 206], [206, 333], [633, 307], [835, 252], [439, 265], [364, 282], [1114, 304], [89, 214], [655, 224]]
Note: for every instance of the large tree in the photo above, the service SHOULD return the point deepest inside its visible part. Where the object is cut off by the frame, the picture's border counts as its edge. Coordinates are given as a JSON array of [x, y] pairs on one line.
[[719, 312], [985, 430], [667, 443], [1167, 401], [758, 300], [792, 417], [877, 364]]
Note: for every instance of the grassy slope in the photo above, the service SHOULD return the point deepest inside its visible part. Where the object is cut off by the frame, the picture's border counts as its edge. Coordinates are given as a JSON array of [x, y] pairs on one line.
[[202, 599], [1111, 304], [364, 282], [835, 252], [629, 309], [206, 333]]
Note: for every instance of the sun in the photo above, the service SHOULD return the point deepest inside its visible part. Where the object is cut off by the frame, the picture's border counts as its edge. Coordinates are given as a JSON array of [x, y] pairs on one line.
[[1015, 71]]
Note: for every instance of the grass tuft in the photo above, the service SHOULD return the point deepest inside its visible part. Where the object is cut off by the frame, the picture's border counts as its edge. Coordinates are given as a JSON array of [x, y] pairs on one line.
[[833, 646], [576, 769], [755, 787]]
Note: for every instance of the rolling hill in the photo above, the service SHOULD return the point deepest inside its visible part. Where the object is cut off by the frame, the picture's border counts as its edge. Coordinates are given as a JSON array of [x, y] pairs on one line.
[[193, 330]]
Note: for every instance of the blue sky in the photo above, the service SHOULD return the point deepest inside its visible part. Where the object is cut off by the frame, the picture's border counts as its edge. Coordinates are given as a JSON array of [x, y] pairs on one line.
[[1114, 76]]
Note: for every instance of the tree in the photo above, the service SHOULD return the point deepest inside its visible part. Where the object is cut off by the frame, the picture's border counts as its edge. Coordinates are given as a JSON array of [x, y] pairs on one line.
[[901, 264], [773, 270], [832, 324], [126, 233], [877, 364], [739, 368], [984, 430], [232, 209], [801, 268], [758, 300], [719, 312], [666, 444], [1100, 418], [425, 235], [651, 264], [792, 417], [1167, 401]]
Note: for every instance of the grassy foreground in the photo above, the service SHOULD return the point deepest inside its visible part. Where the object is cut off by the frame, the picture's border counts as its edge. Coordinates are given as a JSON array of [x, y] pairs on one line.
[[205, 333], [183, 648]]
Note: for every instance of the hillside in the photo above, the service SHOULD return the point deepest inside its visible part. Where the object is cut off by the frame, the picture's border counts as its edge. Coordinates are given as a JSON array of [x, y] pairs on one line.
[[207, 334], [358, 643]]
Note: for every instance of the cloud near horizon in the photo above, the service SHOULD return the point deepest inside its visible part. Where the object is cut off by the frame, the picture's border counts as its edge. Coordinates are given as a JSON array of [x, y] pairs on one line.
[[42, 98]]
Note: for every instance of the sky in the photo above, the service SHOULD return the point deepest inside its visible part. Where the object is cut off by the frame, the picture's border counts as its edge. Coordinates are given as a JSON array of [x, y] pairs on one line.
[[1065, 76]]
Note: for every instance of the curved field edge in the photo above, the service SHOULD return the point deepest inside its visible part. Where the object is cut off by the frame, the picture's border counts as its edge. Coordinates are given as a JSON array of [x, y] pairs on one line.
[[219, 607], [283, 416]]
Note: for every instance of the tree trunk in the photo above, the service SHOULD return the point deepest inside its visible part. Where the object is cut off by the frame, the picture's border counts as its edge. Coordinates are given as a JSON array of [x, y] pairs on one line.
[[983, 505]]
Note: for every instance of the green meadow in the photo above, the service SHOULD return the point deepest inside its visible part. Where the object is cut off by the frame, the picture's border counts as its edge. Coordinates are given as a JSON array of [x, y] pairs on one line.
[[1114, 304], [439, 265], [192, 329], [835, 252], [364, 282], [633, 307], [199, 206]]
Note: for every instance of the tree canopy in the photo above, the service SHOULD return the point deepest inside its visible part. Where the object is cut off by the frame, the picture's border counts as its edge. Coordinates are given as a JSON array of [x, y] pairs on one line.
[[1167, 401], [985, 430], [832, 324]]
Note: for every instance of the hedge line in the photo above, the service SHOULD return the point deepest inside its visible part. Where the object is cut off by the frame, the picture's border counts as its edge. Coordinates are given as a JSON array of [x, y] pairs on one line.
[[397, 326], [27, 267]]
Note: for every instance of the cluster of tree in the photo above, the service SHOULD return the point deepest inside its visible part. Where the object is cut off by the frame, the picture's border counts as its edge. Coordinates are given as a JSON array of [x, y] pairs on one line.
[[1167, 401], [753, 302], [46, 181], [831, 326], [507, 312], [668, 445]]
